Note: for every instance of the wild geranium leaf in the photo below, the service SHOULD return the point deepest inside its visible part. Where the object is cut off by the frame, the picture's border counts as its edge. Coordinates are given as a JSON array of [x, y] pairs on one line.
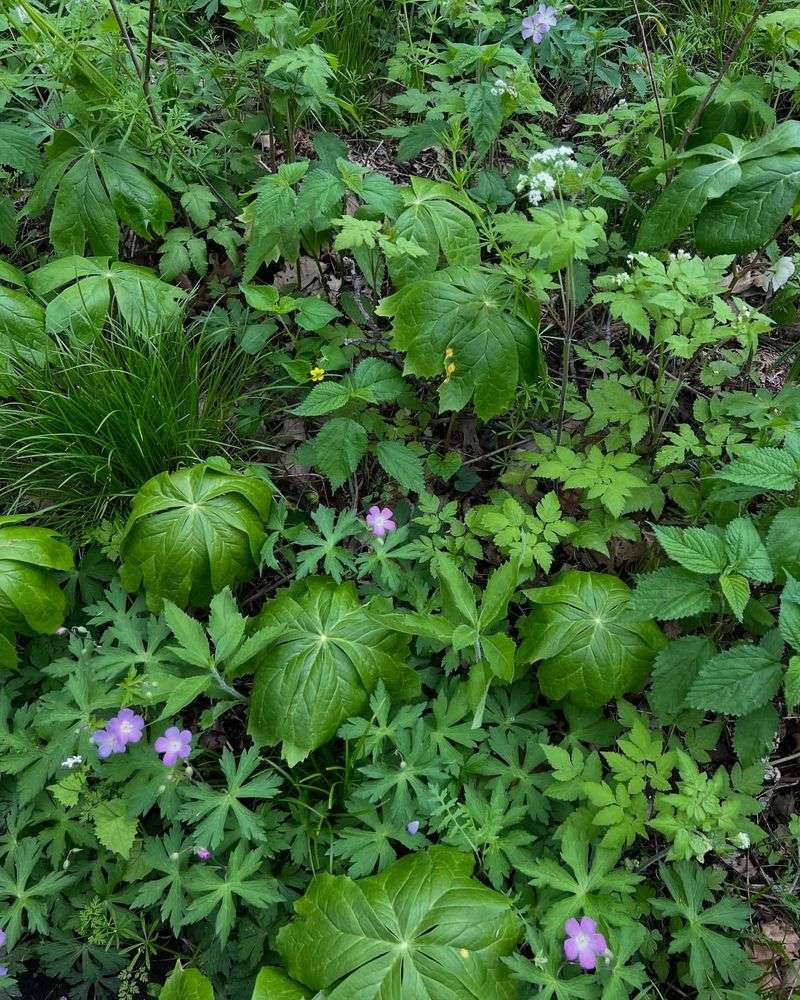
[[192, 533], [468, 329], [325, 661], [588, 647], [421, 928], [737, 681]]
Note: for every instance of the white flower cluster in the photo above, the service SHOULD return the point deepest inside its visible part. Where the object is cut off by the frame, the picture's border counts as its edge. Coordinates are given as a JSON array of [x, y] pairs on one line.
[[500, 87], [620, 279], [639, 257], [680, 255], [545, 168]]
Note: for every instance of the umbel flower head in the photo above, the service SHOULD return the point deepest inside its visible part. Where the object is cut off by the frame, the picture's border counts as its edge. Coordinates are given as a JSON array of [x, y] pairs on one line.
[[539, 23]]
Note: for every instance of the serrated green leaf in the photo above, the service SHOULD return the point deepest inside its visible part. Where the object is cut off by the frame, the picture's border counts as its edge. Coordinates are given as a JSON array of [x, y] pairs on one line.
[[402, 464], [339, 447], [669, 593], [113, 828], [736, 682], [697, 549]]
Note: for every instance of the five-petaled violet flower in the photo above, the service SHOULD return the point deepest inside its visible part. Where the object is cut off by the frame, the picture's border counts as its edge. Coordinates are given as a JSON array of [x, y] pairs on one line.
[[583, 943], [203, 853], [413, 827], [107, 743], [538, 24], [380, 521], [127, 726], [173, 744]]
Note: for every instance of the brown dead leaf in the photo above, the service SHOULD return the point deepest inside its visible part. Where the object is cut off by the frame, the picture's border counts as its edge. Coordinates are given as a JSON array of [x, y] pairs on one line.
[[778, 955]]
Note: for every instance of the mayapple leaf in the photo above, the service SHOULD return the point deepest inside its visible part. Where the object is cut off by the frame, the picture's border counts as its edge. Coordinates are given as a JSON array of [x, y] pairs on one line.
[[423, 929]]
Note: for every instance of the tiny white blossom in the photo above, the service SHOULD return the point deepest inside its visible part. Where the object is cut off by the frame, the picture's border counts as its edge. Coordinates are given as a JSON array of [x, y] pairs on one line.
[[71, 762], [742, 841]]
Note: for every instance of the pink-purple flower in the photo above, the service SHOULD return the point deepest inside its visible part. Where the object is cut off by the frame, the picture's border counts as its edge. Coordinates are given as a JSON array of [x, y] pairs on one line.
[[127, 726], [538, 24], [107, 743], [380, 521], [175, 743], [202, 853], [584, 944]]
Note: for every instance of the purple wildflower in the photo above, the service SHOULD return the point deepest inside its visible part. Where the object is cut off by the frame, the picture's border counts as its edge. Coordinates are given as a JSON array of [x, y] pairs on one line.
[[107, 743], [173, 744], [2, 939], [3, 971], [203, 853], [127, 726], [537, 25], [413, 827], [380, 521], [583, 943]]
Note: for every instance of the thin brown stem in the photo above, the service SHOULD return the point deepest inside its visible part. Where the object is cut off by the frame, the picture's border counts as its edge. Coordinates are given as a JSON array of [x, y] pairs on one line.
[[652, 77], [709, 94], [126, 38]]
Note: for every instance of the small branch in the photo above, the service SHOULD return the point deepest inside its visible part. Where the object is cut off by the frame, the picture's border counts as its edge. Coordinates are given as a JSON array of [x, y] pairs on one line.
[[701, 107], [126, 38], [652, 76]]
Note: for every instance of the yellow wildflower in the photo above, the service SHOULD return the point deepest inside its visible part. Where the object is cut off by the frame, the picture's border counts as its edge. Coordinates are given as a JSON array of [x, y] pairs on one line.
[[317, 374]]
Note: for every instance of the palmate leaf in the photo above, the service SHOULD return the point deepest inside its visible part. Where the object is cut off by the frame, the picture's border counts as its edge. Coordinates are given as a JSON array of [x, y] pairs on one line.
[[192, 533], [94, 288], [97, 185], [471, 329], [326, 659], [589, 647], [423, 929]]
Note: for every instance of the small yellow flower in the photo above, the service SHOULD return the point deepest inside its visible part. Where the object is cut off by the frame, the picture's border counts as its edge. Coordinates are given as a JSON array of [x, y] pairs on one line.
[[317, 374]]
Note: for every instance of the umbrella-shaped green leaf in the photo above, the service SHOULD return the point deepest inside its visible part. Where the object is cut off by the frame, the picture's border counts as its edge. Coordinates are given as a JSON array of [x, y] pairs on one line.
[[422, 929]]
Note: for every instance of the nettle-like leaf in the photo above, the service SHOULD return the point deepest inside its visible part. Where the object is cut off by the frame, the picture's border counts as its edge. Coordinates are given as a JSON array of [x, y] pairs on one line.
[[327, 657], [471, 328], [93, 289], [739, 680], [588, 648], [193, 532], [97, 185], [31, 601], [422, 928]]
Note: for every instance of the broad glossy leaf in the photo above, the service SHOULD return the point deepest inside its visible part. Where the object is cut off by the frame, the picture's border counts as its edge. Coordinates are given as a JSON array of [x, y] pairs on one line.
[[581, 635], [325, 661], [422, 929], [186, 984], [192, 533], [681, 202], [271, 984], [31, 601], [751, 213]]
